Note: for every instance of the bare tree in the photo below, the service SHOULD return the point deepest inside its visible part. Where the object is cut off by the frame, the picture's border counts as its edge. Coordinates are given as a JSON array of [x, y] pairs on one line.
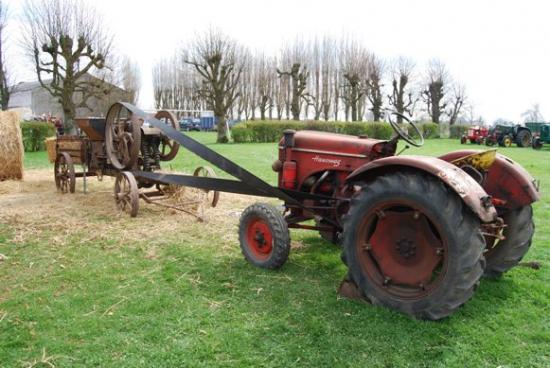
[[356, 62], [374, 88], [215, 58], [67, 40], [298, 75], [533, 114], [264, 84], [456, 101], [401, 97], [5, 88], [434, 94], [131, 81]]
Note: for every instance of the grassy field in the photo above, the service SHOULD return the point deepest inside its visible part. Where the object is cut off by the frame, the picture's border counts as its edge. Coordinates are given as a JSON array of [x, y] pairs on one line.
[[163, 290]]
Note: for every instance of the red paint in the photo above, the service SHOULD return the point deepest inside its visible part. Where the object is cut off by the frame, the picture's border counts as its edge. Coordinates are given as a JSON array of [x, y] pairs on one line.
[[260, 239], [466, 187], [316, 152], [289, 175], [405, 248]]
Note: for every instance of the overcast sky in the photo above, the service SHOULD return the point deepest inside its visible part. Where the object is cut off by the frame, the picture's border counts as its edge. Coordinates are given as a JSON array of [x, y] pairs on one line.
[[499, 49]]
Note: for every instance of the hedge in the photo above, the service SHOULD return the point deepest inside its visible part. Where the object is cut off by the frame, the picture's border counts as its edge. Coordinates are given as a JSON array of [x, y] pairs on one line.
[[272, 131], [458, 130], [34, 133]]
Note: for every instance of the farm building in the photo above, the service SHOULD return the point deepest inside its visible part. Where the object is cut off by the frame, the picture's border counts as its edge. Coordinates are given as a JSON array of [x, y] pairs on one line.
[[31, 99]]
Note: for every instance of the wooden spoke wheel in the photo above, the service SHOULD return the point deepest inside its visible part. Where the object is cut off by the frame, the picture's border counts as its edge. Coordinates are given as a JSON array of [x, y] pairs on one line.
[[127, 193], [122, 137], [210, 196], [168, 148], [64, 173]]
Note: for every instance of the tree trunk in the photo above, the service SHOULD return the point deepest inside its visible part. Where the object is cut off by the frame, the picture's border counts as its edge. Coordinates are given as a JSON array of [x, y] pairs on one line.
[[222, 131]]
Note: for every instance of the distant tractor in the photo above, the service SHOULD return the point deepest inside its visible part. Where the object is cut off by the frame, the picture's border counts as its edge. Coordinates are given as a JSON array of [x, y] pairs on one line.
[[475, 134], [541, 134], [506, 135]]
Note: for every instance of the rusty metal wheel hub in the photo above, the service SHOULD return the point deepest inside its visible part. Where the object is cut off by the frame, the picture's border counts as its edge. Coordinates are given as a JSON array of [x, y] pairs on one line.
[[259, 238], [402, 248]]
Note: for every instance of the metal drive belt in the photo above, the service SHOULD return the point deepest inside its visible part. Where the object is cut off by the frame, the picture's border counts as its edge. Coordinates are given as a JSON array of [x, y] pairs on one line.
[[250, 183]]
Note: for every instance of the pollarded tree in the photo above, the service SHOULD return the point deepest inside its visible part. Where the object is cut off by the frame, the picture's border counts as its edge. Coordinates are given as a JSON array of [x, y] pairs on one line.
[[457, 100], [67, 40], [436, 89], [298, 75], [354, 67], [217, 59], [401, 98], [374, 88]]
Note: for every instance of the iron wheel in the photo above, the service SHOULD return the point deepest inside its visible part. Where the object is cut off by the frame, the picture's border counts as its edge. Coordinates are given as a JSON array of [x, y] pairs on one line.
[[122, 137], [127, 193], [65, 180], [166, 143]]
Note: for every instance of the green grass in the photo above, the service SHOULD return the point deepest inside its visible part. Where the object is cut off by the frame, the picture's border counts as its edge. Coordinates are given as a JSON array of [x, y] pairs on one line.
[[100, 301]]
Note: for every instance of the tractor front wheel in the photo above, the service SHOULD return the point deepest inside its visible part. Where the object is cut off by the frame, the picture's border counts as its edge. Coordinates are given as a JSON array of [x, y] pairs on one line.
[[506, 141], [412, 246], [264, 236]]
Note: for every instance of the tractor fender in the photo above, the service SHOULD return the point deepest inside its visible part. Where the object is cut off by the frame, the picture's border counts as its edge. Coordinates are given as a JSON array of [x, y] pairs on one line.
[[506, 180], [471, 193]]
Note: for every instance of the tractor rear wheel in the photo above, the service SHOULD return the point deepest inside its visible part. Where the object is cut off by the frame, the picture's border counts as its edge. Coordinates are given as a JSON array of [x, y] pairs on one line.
[[518, 233], [523, 139], [264, 236], [412, 246]]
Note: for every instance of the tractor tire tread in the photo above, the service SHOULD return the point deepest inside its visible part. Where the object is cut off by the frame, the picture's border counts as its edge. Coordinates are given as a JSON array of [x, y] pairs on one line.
[[511, 250], [469, 261], [280, 233]]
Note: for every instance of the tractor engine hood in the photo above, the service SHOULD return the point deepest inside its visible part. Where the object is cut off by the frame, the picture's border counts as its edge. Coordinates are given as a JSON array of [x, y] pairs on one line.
[[340, 144]]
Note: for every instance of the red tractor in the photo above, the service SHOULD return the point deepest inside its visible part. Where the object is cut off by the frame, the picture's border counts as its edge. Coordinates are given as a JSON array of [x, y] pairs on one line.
[[417, 233], [475, 134]]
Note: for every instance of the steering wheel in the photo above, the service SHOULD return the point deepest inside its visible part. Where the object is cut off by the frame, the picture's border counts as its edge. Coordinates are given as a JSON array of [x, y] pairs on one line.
[[403, 133]]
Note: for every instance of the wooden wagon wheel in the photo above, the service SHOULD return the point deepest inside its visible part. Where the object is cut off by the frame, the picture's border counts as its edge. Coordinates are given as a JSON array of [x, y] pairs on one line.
[[64, 173], [127, 193], [166, 143], [211, 196], [122, 137]]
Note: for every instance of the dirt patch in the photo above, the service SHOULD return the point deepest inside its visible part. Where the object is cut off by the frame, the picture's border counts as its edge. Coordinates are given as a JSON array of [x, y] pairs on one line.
[[33, 208]]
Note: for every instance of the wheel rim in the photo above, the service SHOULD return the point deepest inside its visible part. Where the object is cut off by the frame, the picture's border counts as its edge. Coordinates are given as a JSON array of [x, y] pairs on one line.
[[64, 173], [168, 148], [211, 196], [400, 249], [259, 239], [126, 194], [122, 137], [507, 142], [526, 140]]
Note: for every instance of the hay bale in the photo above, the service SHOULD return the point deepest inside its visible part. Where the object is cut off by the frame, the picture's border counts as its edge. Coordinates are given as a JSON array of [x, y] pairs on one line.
[[11, 146]]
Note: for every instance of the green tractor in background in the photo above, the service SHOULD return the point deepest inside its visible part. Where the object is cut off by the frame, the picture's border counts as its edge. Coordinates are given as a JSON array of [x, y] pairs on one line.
[[506, 135], [541, 134]]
